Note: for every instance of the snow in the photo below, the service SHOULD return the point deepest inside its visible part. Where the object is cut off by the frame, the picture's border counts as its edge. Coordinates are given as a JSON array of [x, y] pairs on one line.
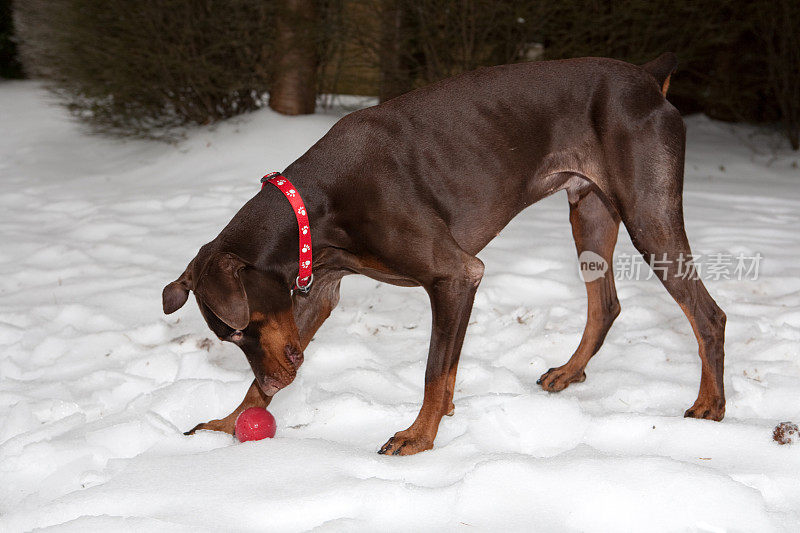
[[96, 384]]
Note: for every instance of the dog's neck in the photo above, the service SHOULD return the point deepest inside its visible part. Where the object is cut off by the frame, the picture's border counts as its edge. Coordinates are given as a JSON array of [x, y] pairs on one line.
[[264, 231]]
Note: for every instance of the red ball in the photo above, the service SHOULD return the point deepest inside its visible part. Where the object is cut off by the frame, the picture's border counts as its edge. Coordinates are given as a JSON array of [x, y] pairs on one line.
[[255, 423]]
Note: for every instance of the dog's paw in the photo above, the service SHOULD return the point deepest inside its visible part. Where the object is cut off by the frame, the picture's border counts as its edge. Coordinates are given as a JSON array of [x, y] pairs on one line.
[[558, 379], [406, 443], [194, 429], [707, 409], [214, 425]]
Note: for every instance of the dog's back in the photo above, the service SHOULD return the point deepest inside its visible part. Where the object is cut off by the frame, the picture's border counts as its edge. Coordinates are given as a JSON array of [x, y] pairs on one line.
[[530, 126]]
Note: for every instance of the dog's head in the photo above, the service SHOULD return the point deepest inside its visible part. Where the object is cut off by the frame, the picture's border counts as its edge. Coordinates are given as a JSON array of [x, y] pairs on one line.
[[246, 306]]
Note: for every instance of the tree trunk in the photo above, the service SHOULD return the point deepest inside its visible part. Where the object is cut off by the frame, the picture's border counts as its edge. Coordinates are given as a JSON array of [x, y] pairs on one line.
[[293, 90]]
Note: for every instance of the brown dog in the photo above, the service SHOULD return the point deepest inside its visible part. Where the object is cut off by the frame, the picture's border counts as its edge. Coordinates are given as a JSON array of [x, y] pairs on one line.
[[407, 192]]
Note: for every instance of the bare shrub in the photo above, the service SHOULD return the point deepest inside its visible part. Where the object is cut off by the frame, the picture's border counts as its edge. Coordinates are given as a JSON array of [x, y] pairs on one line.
[[9, 65], [739, 61], [778, 25], [140, 68]]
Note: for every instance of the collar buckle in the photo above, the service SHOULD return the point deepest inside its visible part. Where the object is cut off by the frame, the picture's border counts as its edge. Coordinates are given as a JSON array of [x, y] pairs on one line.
[[303, 288], [269, 176]]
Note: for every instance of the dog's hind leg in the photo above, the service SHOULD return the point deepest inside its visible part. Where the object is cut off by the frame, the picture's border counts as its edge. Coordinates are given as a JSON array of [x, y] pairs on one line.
[[594, 227], [660, 237], [652, 212]]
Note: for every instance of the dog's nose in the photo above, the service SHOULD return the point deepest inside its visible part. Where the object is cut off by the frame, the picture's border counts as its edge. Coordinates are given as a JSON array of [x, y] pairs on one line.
[[294, 356]]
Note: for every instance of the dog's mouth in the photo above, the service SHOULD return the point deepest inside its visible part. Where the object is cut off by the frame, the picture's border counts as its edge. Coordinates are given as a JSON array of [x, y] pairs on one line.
[[282, 374], [270, 386]]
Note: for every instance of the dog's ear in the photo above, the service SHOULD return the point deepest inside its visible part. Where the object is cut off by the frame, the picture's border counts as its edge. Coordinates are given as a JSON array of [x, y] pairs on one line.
[[220, 288], [175, 294]]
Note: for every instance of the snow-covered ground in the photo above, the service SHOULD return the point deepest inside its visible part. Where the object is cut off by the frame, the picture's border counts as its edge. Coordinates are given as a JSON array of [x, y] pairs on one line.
[[96, 384]]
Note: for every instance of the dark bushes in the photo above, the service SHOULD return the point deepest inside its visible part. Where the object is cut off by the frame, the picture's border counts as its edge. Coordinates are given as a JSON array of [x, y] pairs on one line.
[[140, 67], [778, 27], [137, 67], [739, 61], [411, 43], [9, 66]]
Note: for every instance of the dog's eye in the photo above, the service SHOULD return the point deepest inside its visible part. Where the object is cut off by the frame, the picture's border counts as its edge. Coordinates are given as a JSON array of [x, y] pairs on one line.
[[236, 336]]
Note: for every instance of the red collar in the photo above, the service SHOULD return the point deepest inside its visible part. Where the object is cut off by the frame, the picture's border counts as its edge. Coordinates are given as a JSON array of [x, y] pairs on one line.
[[304, 277]]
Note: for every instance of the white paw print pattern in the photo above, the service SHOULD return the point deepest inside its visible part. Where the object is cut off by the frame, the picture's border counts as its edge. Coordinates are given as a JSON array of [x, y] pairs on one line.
[[304, 230], [291, 193], [305, 264], [306, 248], [301, 210], [280, 182]]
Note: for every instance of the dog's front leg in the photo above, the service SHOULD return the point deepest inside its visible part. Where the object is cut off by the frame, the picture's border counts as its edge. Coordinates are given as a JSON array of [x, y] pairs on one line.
[[253, 398], [451, 304]]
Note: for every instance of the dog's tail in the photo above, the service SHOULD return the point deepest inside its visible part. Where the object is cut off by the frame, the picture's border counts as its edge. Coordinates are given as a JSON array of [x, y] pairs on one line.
[[661, 68]]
